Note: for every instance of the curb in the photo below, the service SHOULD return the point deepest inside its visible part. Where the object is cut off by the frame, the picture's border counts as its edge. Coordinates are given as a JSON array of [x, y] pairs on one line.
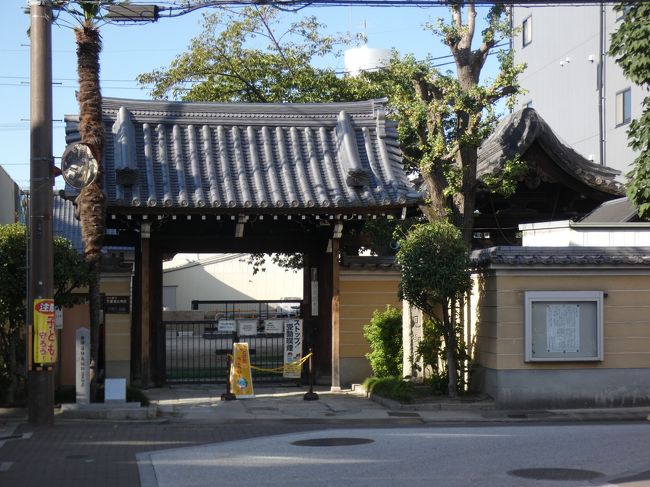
[[109, 411], [489, 413]]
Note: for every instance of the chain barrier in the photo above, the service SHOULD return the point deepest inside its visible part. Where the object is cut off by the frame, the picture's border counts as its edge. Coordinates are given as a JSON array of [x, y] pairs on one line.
[[281, 369]]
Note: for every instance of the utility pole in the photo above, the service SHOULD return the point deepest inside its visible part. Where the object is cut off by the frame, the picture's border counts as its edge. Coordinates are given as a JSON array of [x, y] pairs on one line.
[[40, 376]]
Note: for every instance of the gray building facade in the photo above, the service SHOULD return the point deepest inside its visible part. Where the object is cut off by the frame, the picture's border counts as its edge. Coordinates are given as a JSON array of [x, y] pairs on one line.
[[573, 84], [10, 210]]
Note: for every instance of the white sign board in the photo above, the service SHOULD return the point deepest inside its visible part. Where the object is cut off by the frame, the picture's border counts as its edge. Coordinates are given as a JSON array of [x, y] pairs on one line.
[[115, 390], [58, 318], [563, 328], [273, 326], [82, 363], [247, 327], [292, 348], [226, 326], [314, 298]]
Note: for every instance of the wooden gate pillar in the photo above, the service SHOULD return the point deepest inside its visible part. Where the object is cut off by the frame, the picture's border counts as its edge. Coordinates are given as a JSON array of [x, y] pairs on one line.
[[145, 304], [336, 323]]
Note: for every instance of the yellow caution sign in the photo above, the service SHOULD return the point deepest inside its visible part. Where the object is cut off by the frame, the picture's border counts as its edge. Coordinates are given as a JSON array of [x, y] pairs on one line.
[[241, 379], [44, 332]]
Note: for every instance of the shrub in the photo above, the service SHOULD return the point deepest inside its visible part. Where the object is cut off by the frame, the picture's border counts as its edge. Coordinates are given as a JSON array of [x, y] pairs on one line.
[[384, 333], [390, 387]]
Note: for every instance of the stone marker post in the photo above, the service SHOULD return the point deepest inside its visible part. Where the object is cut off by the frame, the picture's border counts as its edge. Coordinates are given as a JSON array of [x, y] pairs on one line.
[[82, 363]]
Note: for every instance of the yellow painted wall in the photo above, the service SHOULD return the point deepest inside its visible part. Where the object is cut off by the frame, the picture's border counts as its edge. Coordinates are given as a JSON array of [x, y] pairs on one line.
[[117, 328], [361, 293], [626, 317]]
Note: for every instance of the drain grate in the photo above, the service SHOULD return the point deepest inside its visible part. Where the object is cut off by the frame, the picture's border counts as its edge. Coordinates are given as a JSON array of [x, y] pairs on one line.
[[333, 442], [567, 474]]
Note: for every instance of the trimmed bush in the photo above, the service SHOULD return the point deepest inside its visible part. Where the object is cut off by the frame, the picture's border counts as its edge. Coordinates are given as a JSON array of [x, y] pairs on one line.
[[391, 388], [384, 333]]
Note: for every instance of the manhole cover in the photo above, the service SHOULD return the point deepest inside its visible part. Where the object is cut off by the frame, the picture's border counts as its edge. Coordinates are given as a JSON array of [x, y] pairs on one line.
[[638, 477], [567, 474], [333, 442]]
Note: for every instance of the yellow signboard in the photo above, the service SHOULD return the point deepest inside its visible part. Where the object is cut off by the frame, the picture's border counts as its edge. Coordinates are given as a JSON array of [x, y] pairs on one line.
[[292, 348], [44, 332], [241, 380]]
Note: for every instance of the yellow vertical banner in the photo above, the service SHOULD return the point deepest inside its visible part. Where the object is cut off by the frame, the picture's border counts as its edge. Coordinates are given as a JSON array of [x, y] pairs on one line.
[[292, 348], [44, 332], [241, 380]]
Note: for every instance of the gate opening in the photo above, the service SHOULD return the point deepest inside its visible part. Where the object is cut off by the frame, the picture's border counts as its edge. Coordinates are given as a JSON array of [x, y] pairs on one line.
[[196, 351]]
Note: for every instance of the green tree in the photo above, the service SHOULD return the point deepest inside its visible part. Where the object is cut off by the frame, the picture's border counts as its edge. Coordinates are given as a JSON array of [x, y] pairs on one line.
[[241, 56], [434, 266], [630, 44], [70, 272], [443, 117], [384, 333]]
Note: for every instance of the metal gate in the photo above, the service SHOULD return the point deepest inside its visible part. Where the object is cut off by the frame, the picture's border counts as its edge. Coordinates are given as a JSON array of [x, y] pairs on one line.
[[197, 351]]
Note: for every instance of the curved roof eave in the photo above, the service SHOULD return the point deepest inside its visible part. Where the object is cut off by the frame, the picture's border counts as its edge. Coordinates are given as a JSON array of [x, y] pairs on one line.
[[517, 132]]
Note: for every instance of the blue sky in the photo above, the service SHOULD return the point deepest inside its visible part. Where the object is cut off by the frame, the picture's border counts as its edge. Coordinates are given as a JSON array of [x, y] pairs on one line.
[[135, 49]]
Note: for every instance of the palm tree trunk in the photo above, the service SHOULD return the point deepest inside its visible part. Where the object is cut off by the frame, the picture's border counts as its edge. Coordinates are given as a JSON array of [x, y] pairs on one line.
[[91, 201]]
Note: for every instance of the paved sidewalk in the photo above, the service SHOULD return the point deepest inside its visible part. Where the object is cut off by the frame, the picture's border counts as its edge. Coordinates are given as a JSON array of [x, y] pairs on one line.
[[103, 453]]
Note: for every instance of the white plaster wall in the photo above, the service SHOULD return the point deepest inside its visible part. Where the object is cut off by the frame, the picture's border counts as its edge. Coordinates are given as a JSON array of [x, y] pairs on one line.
[[576, 236], [227, 277]]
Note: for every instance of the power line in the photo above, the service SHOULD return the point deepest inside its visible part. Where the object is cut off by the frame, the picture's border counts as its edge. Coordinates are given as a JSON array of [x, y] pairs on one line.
[[175, 9]]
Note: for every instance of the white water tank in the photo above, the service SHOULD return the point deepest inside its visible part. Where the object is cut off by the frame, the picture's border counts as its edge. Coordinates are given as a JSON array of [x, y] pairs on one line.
[[365, 58]]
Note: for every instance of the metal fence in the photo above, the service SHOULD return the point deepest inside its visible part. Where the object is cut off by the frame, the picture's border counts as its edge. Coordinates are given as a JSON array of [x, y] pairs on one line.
[[197, 351]]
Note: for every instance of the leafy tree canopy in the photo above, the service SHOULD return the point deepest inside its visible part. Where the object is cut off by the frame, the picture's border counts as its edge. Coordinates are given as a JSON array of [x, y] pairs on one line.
[[443, 117], [434, 266], [241, 56], [630, 45], [70, 272]]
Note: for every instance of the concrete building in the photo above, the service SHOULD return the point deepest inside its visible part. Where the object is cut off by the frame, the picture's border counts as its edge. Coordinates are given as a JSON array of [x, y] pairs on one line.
[[9, 199], [571, 81], [207, 277]]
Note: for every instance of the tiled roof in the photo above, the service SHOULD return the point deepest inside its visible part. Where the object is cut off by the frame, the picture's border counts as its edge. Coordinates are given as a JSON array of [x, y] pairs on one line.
[[64, 222], [516, 132], [620, 210], [252, 157], [562, 256]]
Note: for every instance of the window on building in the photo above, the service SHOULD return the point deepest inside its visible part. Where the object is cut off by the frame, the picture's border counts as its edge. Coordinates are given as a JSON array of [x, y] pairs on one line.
[[623, 107], [527, 31]]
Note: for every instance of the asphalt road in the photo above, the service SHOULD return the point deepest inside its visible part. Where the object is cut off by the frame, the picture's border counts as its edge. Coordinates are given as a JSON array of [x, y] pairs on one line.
[[290, 454], [499, 456]]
